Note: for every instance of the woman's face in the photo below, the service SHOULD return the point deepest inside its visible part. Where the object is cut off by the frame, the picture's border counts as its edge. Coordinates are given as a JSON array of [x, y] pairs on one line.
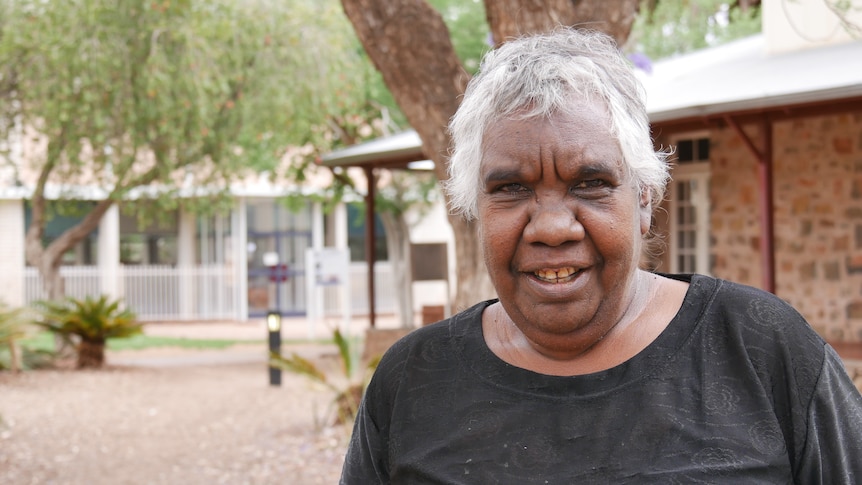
[[561, 225]]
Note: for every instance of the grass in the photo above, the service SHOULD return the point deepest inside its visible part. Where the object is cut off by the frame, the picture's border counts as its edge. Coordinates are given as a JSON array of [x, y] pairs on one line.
[[45, 341]]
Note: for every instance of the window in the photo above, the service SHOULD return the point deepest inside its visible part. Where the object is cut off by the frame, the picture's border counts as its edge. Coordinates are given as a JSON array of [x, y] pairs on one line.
[[356, 234], [153, 243], [689, 207]]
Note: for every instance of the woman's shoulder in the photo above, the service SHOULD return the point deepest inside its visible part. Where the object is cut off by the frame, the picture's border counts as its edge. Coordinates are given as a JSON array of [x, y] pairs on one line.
[[768, 327], [437, 337], [737, 302]]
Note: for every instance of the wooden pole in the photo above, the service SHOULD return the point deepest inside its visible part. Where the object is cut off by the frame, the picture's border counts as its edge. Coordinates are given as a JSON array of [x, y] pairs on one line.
[[370, 240]]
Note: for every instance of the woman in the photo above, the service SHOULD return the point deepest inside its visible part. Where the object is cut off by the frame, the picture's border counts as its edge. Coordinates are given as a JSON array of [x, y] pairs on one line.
[[588, 369]]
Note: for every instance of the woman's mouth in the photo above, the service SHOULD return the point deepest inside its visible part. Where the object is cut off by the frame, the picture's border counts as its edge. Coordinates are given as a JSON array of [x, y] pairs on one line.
[[560, 275]]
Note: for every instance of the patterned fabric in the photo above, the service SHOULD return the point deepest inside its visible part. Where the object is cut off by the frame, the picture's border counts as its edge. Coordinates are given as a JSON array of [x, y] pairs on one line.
[[737, 389]]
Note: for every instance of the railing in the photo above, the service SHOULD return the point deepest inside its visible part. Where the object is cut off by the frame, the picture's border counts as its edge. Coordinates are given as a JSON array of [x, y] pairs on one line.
[[167, 293], [152, 292]]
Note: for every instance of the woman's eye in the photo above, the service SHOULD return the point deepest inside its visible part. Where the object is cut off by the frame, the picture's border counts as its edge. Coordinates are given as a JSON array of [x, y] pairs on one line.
[[590, 184], [511, 188]]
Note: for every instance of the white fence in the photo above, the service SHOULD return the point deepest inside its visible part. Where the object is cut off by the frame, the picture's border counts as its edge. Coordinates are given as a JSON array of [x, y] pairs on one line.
[[167, 293], [153, 292]]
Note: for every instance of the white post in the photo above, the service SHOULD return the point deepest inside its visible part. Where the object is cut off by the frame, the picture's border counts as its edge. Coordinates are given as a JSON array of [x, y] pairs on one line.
[[341, 222], [111, 283], [12, 252], [239, 240], [314, 298], [186, 263]]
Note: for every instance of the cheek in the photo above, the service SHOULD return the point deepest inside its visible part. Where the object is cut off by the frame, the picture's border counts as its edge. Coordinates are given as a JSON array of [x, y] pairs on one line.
[[498, 237]]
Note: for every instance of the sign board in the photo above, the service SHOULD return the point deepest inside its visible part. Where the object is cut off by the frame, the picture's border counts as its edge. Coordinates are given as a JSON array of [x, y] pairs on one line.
[[330, 266], [327, 273]]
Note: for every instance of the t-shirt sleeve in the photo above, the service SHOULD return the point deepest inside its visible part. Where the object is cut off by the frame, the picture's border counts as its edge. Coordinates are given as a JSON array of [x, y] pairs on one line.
[[367, 458], [832, 451], [365, 461]]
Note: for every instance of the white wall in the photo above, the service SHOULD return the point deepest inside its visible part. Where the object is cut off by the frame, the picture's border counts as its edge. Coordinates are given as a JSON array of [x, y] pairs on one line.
[[12, 252], [433, 227], [800, 24]]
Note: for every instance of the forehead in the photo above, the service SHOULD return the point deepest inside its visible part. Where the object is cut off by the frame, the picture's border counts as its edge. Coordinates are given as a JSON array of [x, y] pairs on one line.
[[582, 133]]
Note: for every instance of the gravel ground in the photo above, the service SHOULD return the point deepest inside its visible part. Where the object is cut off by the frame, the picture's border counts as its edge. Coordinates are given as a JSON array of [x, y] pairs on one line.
[[169, 416]]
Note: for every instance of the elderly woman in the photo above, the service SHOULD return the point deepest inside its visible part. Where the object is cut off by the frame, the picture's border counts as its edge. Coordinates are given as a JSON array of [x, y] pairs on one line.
[[589, 369]]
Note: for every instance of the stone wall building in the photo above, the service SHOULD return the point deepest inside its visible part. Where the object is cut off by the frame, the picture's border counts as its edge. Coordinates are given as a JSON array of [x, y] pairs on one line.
[[816, 215]]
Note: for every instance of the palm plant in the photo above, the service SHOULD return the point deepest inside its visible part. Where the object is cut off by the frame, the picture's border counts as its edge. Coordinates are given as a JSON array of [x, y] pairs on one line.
[[14, 326], [91, 321], [348, 391]]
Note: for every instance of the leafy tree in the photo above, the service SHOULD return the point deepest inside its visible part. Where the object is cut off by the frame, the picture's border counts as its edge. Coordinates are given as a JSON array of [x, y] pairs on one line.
[[668, 27], [126, 94], [410, 44]]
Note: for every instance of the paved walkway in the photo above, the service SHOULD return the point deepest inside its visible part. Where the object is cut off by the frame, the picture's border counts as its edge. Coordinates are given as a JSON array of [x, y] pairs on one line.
[[292, 328], [299, 334]]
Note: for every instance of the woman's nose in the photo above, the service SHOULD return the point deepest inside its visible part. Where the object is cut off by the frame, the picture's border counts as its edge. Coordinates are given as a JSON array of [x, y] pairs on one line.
[[553, 224]]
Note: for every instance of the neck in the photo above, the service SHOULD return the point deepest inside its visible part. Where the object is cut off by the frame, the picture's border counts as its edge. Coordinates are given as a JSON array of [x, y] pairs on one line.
[[599, 348]]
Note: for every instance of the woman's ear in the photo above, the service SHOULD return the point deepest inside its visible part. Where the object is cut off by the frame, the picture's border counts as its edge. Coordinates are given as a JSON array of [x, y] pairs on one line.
[[645, 211]]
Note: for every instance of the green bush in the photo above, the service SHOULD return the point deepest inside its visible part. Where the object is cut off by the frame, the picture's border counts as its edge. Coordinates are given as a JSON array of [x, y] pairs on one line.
[[348, 392], [90, 322], [15, 324]]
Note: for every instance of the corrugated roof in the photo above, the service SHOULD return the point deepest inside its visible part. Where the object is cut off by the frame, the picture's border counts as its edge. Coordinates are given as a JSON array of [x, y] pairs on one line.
[[733, 77]]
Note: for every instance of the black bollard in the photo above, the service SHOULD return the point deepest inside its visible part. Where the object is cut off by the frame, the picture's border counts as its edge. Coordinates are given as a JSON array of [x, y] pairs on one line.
[[273, 324]]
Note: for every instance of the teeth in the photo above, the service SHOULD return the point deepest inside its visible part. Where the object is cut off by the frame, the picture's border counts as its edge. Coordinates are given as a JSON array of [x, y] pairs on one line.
[[555, 274]]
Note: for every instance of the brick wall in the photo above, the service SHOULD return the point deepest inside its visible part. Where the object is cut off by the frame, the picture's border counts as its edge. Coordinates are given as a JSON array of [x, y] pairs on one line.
[[818, 217], [734, 218]]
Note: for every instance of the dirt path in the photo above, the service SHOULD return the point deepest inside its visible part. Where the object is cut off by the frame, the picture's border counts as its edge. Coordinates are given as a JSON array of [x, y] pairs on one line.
[[168, 417]]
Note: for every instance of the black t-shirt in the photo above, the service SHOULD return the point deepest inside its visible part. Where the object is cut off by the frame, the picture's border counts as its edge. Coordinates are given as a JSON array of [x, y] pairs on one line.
[[737, 389]]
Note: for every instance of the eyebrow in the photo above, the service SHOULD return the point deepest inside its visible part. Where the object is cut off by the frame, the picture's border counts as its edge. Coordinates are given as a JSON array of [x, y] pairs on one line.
[[501, 175], [585, 171], [597, 169]]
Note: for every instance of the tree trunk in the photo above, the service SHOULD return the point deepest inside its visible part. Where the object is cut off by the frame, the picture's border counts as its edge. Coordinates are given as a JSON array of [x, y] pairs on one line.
[[513, 18], [398, 244], [14, 356], [48, 259], [409, 44], [91, 353], [474, 285]]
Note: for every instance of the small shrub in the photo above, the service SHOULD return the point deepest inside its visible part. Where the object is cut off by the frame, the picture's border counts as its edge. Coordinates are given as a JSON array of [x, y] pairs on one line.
[[347, 394], [91, 321], [15, 324]]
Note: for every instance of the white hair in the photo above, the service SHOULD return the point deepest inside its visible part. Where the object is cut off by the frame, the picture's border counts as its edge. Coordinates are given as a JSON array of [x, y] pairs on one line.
[[538, 75]]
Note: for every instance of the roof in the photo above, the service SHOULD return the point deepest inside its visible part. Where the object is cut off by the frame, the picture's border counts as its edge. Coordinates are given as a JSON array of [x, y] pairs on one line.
[[734, 77], [741, 76], [395, 150]]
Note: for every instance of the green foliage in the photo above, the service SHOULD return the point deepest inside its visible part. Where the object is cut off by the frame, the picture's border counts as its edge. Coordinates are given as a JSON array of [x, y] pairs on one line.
[[16, 324], [88, 323], [44, 341], [348, 389], [183, 94], [91, 319], [679, 26], [375, 114], [468, 29]]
